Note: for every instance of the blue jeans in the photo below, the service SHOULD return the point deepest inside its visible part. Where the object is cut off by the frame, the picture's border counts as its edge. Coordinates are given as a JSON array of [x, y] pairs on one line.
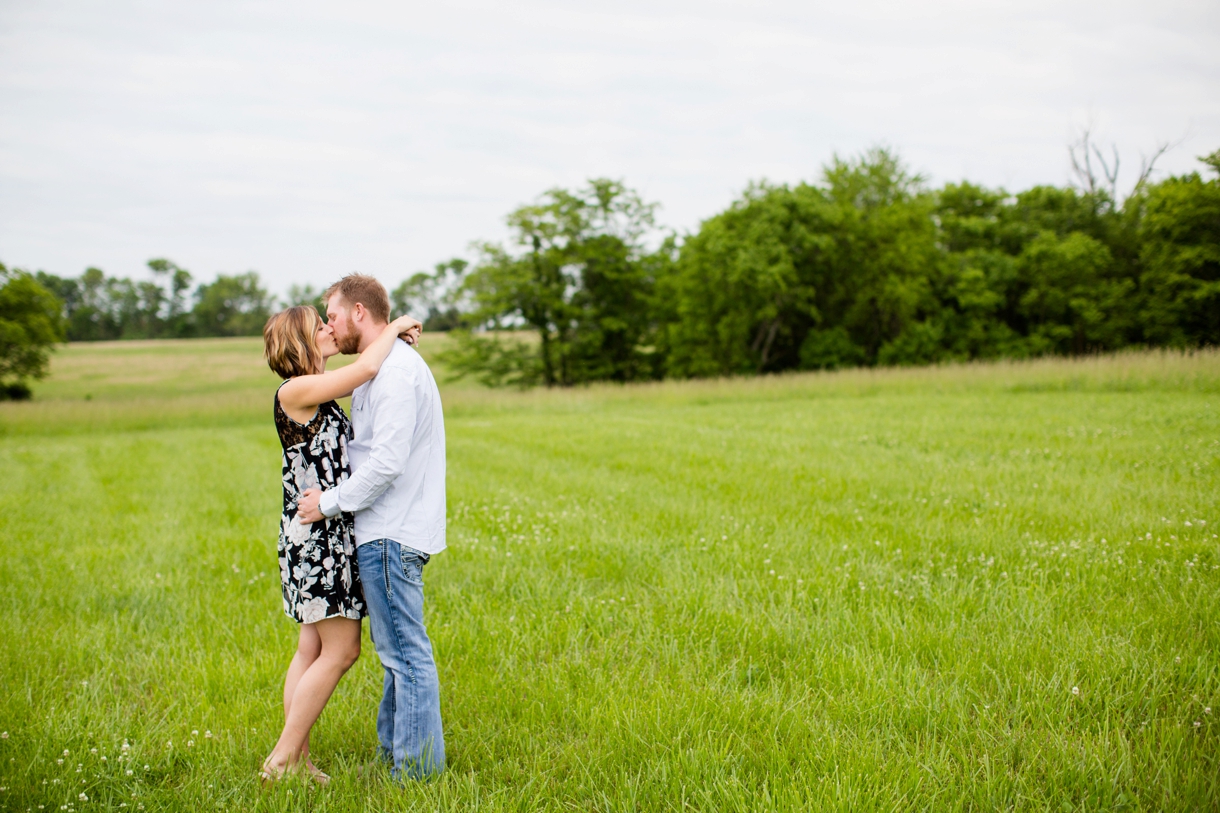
[[409, 719]]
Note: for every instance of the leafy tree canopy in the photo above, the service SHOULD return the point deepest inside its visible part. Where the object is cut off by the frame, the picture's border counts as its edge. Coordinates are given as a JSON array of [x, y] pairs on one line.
[[581, 278], [30, 324]]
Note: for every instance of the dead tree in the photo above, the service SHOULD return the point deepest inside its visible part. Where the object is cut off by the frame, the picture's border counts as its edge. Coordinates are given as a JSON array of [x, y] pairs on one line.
[[1088, 160]]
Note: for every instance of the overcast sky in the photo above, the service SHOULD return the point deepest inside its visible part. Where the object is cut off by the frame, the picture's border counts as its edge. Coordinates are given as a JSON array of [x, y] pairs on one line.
[[305, 140]]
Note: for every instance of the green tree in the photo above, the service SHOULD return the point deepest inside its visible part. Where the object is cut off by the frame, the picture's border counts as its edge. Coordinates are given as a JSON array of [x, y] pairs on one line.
[[581, 279], [232, 306], [1180, 259], [979, 302], [1048, 270], [743, 292], [306, 295], [821, 276], [1071, 302], [432, 297], [176, 316], [889, 257], [87, 306], [100, 307], [31, 322], [979, 290]]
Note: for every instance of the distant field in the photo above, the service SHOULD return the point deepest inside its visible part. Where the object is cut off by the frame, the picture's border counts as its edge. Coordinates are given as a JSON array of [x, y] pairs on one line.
[[961, 588]]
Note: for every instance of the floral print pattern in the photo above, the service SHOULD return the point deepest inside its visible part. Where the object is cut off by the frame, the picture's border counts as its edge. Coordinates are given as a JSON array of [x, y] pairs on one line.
[[318, 568]]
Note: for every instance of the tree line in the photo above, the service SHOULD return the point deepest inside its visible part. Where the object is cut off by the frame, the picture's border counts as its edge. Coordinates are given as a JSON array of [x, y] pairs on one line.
[[98, 307], [869, 265], [38, 309]]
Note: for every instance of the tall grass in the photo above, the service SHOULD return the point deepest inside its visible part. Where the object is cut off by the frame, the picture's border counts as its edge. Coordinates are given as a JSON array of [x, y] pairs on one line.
[[969, 587]]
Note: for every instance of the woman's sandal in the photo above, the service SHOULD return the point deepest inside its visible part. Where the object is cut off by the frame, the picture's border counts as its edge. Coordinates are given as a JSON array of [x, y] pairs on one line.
[[267, 777], [317, 776]]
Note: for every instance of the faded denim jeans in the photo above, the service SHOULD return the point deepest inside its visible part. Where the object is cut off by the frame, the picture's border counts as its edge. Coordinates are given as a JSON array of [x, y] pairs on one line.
[[409, 718]]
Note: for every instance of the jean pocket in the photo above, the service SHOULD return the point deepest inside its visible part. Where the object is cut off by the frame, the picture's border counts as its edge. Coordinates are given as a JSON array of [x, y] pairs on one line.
[[413, 566]]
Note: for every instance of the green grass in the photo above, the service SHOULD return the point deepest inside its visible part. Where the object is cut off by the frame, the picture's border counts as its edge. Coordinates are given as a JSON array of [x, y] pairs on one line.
[[975, 588]]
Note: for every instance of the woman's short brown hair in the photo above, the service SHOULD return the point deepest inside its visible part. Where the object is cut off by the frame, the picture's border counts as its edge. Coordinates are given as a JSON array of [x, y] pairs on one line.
[[290, 342]]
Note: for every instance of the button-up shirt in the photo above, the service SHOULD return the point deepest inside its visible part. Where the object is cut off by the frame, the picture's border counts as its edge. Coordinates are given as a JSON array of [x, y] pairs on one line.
[[397, 486]]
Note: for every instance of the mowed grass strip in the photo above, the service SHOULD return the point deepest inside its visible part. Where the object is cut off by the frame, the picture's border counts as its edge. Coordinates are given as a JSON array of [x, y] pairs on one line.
[[978, 587]]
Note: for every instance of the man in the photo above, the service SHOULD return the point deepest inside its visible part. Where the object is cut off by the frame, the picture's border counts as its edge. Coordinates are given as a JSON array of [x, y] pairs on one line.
[[397, 491]]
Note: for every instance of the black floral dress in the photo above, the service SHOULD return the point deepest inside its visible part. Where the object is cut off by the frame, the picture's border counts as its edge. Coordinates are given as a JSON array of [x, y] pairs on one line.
[[318, 568]]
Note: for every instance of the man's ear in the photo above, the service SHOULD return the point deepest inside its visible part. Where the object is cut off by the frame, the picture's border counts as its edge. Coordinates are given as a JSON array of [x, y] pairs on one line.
[[358, 312]]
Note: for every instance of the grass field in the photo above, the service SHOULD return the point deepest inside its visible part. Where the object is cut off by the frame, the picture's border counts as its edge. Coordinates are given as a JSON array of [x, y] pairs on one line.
[[964, 588]]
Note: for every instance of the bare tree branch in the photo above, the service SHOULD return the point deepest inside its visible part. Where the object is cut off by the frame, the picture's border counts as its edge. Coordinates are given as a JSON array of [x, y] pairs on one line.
[[1083, 153], [1110, 172], [1082, 165], [1147, 165]]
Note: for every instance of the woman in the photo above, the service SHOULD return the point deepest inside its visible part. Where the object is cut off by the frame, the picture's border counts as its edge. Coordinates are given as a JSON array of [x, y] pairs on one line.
[[318, 561]]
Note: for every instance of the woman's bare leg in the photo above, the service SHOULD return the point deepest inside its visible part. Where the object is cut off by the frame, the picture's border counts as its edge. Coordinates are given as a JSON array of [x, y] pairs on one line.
[[309, 647], [339, 640]]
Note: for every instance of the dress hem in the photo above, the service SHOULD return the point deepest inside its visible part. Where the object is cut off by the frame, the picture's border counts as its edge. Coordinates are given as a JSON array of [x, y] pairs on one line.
[[358, 617]]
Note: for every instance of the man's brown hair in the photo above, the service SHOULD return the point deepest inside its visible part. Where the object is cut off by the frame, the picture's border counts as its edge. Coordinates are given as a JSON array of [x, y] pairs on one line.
[[363, 289], [290, 342]]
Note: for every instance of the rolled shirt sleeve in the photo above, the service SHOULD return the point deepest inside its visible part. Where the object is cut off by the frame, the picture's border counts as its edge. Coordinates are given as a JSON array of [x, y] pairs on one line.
[[392, 408]]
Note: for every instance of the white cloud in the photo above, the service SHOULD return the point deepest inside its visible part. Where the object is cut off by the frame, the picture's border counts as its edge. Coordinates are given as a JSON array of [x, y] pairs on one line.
[[306, 140]]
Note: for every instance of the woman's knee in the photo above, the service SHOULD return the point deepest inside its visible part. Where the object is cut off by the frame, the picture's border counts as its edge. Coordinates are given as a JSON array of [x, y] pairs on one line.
[[342, 644], [309, 644], [344, 653]]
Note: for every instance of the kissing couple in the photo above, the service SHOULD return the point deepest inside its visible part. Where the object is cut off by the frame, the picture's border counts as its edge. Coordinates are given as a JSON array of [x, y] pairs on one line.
[[364, 511]]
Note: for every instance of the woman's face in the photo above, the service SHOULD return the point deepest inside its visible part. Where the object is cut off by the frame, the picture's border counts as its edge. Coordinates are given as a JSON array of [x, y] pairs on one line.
[[326, 341]]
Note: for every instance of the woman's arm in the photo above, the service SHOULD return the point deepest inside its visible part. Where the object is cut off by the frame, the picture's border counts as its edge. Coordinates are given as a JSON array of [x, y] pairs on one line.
[[304, 393]]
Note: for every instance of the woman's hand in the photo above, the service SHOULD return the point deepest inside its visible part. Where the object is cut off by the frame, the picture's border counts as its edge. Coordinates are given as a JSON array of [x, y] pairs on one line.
[[408, 329]]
